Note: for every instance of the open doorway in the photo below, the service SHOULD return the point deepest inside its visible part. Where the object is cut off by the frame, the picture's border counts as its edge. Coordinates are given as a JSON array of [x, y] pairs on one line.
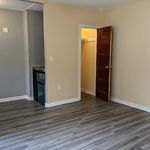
[[95, 62], [35, 57], [88, 61]]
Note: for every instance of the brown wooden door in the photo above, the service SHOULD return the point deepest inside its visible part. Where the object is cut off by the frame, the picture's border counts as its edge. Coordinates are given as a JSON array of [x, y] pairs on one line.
[[104, 66]]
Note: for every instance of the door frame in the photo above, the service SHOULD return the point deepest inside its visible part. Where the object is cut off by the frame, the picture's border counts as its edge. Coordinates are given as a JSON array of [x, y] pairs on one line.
[[79, 57]]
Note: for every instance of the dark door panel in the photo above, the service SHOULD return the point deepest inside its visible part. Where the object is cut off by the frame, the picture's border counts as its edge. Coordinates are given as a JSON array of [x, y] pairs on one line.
[[104, 66]]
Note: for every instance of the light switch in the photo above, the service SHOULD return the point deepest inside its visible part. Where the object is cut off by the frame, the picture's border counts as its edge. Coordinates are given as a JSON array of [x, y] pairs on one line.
[[59, 87], [51, 59], [5, 30]]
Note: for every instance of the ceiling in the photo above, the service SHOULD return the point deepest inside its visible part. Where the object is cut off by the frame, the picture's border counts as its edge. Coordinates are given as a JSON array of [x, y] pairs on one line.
[[20, 5], [99, 4]]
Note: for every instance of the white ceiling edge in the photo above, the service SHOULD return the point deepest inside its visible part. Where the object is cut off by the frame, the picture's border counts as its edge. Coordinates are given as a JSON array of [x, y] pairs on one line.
[[20, 5], [95, 4]]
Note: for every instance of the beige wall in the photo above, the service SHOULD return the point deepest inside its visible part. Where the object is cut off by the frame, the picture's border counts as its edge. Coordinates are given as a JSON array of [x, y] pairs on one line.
[[131, 52], [62, 43], [88, 60], [40, 1]]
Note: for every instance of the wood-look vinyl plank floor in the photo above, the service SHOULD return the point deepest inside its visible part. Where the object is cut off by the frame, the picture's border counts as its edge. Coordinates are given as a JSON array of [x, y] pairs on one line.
[[91, 124]]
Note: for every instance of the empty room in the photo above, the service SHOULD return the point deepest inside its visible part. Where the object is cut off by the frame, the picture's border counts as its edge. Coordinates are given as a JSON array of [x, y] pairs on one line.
[[74, 75]]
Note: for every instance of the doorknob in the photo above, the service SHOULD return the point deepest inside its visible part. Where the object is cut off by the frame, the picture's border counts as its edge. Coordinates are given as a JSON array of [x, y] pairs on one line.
[[108, 67]]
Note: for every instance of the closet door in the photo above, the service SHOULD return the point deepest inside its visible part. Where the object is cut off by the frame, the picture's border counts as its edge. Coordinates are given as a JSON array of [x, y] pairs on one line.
[[104, 63]]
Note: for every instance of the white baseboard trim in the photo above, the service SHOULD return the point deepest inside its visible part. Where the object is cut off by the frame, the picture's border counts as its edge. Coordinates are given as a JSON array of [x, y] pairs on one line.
[[62, 102], [131, 104], [29, 98], [9, 99], [88, 92]]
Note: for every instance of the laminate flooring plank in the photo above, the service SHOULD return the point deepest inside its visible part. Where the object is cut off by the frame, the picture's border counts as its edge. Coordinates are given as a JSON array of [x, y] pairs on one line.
[[91, 124]]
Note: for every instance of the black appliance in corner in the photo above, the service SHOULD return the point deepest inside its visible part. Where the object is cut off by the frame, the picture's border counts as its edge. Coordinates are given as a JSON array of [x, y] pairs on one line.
[[39, 84]]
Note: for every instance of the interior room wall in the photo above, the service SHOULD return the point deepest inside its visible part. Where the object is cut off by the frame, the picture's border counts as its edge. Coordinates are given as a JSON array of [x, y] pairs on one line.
[[62, 34], [40, 1], [88, 69], [12, 56], [35, 42], [131, 52]]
